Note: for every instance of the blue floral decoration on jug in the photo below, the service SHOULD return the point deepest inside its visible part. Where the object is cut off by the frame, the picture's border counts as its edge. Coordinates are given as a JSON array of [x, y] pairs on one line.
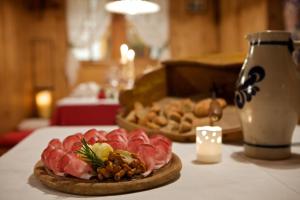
[[247, 89]]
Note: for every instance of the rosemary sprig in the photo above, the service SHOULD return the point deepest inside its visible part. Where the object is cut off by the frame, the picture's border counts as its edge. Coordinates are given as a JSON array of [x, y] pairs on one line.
[[87, 153]]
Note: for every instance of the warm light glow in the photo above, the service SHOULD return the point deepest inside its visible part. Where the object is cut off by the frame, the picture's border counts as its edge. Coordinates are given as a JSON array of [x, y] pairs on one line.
[[130, 55], [208, 144], [43, 101], [124, 51], [132, 7], [43, 98]]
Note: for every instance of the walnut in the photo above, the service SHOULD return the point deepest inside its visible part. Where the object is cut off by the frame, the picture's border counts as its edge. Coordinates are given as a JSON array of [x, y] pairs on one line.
[[131, 117], [151, 116], [155, 108], [201, 109], [174, 116], [152, 125], [185, 127], [160, 120], [187, 105], [188, 117]]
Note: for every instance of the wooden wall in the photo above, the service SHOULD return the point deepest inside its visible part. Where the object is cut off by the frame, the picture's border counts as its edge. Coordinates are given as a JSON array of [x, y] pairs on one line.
[[221, 27], [192, 34], [32, 56], [238, 18]]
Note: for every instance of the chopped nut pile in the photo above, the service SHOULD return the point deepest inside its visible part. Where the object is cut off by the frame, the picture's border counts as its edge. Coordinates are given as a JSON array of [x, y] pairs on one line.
[[116, 168]]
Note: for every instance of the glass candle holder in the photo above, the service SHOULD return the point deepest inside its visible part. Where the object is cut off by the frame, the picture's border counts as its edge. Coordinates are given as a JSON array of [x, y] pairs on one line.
[[209, 144]]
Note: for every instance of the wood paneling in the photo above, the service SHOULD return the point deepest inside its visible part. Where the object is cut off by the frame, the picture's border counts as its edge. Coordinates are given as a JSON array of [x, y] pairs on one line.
[[118, 34], [32, 55], [42, 63], [238, 18], [192, 34]]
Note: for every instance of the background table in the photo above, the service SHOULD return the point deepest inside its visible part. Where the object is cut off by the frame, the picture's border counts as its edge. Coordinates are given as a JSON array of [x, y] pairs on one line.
[[85, 111], [236, 177]]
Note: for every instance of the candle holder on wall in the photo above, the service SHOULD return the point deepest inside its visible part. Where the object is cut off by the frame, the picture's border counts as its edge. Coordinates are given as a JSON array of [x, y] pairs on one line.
[[43, 102]]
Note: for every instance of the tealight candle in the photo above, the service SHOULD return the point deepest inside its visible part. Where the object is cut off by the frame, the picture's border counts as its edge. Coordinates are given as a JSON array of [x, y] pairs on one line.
[[209, 144]]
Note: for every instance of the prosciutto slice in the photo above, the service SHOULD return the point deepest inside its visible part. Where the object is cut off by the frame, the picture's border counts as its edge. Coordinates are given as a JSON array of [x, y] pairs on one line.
[[56, 143], [72, 142], [140, 135], [117, 139], [163, 148], [74, 166], [46, 154], [92, 136], [146, 154], [54, 161]]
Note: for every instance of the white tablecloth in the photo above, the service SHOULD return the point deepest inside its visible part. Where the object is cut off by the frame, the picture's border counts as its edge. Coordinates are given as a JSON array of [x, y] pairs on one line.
[[70, 101], [236, 177]]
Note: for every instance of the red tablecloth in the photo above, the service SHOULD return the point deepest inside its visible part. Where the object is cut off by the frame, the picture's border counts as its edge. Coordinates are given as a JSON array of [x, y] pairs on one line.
[[85, 115], [12, 138]]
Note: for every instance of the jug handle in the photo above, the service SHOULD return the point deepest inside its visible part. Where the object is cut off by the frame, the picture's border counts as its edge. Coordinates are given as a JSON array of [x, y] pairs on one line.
[[296, 44]]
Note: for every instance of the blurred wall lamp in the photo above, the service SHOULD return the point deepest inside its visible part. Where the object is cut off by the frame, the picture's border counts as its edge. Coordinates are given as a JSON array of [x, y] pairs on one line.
[[43, 101]]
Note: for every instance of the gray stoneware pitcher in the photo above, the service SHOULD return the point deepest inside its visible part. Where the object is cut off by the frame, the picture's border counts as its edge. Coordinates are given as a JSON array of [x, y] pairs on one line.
[[267, 95]]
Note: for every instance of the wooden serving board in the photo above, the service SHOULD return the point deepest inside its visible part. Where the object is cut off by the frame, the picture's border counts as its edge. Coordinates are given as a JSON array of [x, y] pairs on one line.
[[165, 175], [230, 123]]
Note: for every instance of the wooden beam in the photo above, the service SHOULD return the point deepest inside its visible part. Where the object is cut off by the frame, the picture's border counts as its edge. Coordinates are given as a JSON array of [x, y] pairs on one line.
[[118, 35]]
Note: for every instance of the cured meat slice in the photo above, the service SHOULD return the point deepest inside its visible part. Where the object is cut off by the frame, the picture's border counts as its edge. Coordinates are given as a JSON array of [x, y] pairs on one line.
[[146, 154], [117, 139], [92, 136], [72, 140], [56, 143], [54, 161], [159, 138], [116, 144], [163, 147], [117, 135], [46, 153], [72, 165], [133, 145], [138, 134]]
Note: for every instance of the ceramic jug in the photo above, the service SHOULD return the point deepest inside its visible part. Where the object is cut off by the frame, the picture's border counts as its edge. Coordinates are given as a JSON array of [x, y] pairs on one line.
[[267, 95]]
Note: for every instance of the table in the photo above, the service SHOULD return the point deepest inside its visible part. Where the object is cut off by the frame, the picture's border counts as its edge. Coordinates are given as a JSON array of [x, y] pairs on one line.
[[236, 177], [85, 111]]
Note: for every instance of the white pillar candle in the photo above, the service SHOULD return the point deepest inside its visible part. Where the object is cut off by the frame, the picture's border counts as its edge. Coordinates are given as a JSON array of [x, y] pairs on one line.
[[209, 144], [123, 51], [130, 68]]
